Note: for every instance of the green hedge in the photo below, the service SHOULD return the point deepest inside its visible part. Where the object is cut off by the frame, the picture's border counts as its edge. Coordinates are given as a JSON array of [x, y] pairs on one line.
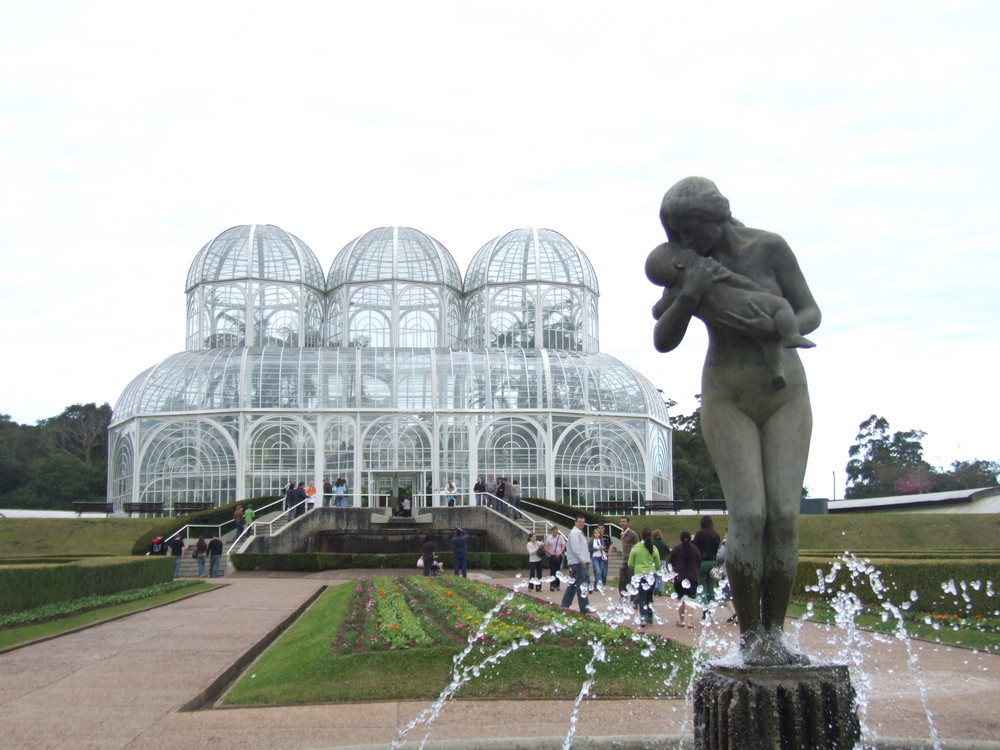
[[316, 561], [28, 586], [926, 577], [210, 519], [565, 510]]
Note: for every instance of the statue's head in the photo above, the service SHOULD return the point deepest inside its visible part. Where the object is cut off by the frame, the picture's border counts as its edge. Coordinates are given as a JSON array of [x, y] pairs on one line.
[[692, 199]]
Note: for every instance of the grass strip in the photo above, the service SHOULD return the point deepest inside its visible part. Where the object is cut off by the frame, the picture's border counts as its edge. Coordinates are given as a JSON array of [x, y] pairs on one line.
[[16, 636], [56, 610]]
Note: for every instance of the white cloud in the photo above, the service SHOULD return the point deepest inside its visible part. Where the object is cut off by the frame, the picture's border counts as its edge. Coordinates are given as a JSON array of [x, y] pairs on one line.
[[862, 132]]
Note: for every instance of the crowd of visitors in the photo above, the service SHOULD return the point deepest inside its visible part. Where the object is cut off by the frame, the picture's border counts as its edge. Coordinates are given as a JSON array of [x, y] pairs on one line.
[[694, 568]]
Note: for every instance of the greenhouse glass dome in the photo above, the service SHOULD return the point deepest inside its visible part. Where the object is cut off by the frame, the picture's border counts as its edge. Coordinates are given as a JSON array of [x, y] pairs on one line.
[[392, 373]]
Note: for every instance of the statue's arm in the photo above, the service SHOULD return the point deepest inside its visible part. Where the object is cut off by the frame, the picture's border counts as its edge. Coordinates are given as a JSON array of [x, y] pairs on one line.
[[674, 318], [794, 287]]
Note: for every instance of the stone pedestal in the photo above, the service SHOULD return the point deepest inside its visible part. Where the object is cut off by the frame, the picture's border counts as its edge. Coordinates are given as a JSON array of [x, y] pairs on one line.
[[742, 708]]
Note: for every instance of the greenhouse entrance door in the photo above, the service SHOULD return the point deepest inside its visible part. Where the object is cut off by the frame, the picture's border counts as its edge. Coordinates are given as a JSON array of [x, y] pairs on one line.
[[389, 487]]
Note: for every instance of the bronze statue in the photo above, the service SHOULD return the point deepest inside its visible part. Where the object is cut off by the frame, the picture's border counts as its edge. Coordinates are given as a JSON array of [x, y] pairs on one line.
[[746, 286]]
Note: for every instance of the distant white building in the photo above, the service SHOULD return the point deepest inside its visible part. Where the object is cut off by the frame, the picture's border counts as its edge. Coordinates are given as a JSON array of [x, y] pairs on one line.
[[393, 372], [983, 500]]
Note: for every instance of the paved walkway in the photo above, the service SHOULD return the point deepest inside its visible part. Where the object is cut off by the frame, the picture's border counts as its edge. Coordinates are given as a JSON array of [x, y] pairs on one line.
[[122, 685]]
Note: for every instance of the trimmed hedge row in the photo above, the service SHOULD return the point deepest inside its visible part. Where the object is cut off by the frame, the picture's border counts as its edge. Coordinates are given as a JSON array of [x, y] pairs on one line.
[[28, 586], [210, 519], [316, 561], [566, 510], [976, 583]]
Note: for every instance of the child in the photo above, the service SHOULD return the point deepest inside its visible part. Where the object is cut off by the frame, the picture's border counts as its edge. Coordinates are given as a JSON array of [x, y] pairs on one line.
[[733, 301]]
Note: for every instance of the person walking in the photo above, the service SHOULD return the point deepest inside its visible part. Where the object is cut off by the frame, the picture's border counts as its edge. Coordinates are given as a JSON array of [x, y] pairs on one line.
[[491, 490], [515, 494], [428, 556], [460, 552], [536, 553], [599, 557], [340, 493], [664, 550], [214, 555], [501, 493], [299, 498], [177, 550], [248, 516], [707, 541], [239, 518], [201, 555], [578, 557], [644, 561], [555, 544], [629, 540], [290, 498], [685, 559]]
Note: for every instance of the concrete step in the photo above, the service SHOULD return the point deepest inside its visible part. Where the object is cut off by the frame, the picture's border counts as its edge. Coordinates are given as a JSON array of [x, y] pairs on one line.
[[189, 566]]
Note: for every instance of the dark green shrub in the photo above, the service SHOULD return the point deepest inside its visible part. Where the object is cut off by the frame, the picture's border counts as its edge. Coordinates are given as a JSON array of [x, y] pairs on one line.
[[206, 522], [945, 586], [316, 561], [27, 586], [559, 511]]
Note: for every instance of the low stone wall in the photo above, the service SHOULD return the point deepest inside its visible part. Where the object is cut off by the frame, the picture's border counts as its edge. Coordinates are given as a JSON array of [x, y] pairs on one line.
[[502, 534]]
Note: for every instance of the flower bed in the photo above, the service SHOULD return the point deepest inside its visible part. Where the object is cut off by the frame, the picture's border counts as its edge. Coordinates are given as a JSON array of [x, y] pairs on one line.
[[388, 613]]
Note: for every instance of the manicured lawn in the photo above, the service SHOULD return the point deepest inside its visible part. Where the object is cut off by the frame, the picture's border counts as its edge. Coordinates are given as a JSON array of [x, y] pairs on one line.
[[12, 636], [397, 639], [39, 537]]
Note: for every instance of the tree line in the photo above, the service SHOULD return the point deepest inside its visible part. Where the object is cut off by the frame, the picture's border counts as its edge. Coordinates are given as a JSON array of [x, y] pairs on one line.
[[56, 461], [884, 463], [881, 463], [65, 458]]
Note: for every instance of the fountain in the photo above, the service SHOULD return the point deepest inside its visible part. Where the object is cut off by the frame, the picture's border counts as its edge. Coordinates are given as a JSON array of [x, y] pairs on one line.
[[745, 285]]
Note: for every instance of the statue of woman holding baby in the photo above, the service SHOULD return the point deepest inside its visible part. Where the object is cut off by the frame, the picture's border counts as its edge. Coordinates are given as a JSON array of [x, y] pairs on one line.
[[755, 412]]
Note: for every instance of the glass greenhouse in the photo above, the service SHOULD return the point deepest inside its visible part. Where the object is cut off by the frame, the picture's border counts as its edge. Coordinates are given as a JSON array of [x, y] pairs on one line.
[[390, 371]]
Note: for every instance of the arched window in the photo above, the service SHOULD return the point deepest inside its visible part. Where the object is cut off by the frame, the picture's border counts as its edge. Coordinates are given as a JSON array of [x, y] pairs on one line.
[[597, 459], [370, 322], [419, 318], [279, 450], [512, 319], [188, 460]]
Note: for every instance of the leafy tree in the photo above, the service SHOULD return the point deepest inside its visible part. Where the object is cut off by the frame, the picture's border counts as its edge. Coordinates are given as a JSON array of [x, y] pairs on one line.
[[57, 461], [58, 479], [81, 430], [20, 447], [884, 464], [968, 475], [694, 472]]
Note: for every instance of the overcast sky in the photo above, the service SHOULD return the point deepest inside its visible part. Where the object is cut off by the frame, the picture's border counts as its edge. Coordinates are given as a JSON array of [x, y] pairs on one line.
[[865, 133]]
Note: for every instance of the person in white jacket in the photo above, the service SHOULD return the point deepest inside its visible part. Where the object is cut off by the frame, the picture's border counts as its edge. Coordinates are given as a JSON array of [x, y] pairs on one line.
[[578, 558]]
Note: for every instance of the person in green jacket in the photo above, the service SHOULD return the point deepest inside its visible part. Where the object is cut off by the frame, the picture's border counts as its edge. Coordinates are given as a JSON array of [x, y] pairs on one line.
[[643, 562], [248, 516]]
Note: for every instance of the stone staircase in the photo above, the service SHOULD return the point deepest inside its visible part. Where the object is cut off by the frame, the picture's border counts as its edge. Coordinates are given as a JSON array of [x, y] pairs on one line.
[[189, 566], [614, 555]]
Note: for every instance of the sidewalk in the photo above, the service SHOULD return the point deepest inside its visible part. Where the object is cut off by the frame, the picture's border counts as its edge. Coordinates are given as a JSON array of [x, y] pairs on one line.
[[121, 685]]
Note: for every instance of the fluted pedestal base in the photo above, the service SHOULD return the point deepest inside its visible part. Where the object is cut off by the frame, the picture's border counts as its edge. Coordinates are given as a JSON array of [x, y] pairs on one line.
[[738, 708]]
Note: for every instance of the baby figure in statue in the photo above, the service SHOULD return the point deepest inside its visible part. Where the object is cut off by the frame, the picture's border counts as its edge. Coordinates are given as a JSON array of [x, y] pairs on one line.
[[733, 301]]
